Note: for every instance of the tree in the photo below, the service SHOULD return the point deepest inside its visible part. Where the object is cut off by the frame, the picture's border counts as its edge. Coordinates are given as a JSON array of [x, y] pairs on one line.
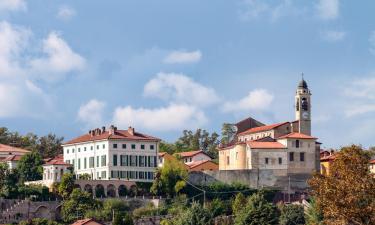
[[170, 179], [313, 215], [217, 208], [66, 185], [348, 195], [257, 211], [196, 215], [38, 221], [78, 203], [228, 133], [291, 215], [200, 139], [30, 166], [122, 219], [238, 203], [50, 145]]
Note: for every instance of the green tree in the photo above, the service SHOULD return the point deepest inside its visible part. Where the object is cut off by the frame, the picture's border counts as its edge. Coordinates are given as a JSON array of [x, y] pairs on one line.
[[257, 211], [30, 166], [291, 215], [216, 207], [109, 207], [38, 221], [196, 215], [228, 133], [200, 139], [50, 145], [348, 195], [313, 214], [170, 178], [76, 206], [238, 203], [66, 185], [122, 219]]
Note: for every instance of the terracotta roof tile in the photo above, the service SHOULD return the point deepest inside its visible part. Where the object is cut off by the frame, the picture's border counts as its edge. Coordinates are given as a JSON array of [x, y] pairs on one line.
[[118, 135], [372, 161], [58, 160], [7, 148], [198, 163], [297, 135], [262, 128], [190, 154], [265, 145], [84, 221]]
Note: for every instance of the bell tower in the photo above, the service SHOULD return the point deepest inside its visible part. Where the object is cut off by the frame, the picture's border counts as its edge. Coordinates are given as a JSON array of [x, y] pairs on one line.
[[303, 107]]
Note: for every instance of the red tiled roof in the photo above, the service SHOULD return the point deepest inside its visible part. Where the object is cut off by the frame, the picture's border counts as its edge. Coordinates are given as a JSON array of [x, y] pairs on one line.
[[162, 154], [297, 135], [372, 161], [84, 221], [12, 158], [58, 160], [190, 154], [230, 146], [118, 135], [7, 148], [262, 128], [327, 158], [197, 163], [265, 145]]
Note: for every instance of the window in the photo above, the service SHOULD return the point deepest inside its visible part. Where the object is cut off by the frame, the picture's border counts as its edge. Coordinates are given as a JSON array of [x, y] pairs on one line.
[[297, 143], [142, 147], [73, 150], [236, 155], [280, 160], [114, 160], [302, 156], [133, 160], [228, 160], [124, 146], [266, 160], [97, 161], [79, 164], [114, 145], [84, 149], [115, 174], [152, 147], [141, 161], [291, 156], [68, 161], [85, 163], [133, 146], [67, 151], [103, 146], [122, 160], [97, 147], [91, 162], [104, 174], [104, 160], [79, 149], [91, 148]]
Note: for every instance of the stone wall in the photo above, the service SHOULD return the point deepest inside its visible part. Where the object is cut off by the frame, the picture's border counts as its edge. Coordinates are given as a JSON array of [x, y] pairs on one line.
[[275, 179]]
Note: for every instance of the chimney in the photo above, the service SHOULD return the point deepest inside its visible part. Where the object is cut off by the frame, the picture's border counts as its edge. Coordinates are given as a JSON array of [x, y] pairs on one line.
[[103, 129], [112, 129], [91, 133], [131, 131]]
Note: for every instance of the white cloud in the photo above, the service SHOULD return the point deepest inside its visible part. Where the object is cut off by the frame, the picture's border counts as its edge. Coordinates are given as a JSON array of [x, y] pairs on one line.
[[256, 100], [363, 91], [60, 60], [254, 9], [12, 5], [359, 110], [65, 13], [328, 9], [179, 88], [183, 56], [91, 113], [172, 117], [333, 35]]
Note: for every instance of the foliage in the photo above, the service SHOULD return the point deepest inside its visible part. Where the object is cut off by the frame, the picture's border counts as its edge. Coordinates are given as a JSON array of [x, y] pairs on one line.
[[228, 132], [348, 195], [196, 215], [148, 210], [78, 203], [122, 219], [170, 178], [167, 147], [257, 211], [66, 185], [38, 221], [313, 214], [217, 207], [238, 203], [104, 212], [30, 166], [37, 192], [47, 146], [291, 215], [85, 176], [200, 139]]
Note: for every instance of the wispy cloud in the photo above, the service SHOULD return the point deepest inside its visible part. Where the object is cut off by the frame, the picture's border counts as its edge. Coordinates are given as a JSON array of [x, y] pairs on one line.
[[183, 56], [333, 35], [65, 13], [256, 100], [363, 92], [91, 113], [12, 5], [328, 9]]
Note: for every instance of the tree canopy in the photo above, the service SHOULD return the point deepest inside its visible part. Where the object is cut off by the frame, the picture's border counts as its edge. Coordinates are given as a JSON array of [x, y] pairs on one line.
[[30, 166], [347, 196], [78, 203]]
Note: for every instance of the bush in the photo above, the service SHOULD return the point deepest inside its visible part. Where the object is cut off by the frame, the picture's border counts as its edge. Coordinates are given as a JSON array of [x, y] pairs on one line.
[[148, 210], [38, 221], [291, 215]]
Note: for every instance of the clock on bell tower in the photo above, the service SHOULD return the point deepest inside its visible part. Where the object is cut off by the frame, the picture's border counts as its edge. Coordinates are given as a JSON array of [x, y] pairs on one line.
[[303, 107]]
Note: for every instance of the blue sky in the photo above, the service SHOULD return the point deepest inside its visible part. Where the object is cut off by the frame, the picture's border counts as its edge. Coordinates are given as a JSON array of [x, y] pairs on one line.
[[165, 66]]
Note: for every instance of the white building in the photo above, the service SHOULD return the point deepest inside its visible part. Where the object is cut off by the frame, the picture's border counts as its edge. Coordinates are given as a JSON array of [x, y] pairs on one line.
[[193, 156], [113, 154]]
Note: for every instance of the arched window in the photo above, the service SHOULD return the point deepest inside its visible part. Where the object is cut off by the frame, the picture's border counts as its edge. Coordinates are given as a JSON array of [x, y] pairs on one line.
[[305, 105]]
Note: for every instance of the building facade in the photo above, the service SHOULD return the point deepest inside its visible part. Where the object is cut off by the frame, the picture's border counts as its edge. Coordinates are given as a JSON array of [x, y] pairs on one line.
[[286, 146], [113, 154]]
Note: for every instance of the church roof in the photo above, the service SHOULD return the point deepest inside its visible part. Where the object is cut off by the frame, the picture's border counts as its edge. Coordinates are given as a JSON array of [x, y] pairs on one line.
[[262, 128], [302, 84], [265, 145], [297, 135]]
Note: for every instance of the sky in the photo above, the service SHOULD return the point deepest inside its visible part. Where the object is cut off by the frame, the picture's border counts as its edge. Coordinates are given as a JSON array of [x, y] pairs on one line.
[[165, 66]]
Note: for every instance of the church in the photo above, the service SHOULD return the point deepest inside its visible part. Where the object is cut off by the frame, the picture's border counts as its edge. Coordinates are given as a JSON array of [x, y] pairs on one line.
[[284, 146]]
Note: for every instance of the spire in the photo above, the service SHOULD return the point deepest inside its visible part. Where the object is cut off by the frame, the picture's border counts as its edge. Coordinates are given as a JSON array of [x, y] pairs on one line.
[[302, 83]]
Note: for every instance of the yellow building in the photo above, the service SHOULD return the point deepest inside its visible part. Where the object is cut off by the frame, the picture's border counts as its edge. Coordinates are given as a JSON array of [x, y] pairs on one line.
[[372, 166], [326, 160]]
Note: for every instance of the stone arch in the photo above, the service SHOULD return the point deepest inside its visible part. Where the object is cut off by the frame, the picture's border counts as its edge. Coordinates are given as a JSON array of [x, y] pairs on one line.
[[88, 189], [111, 191], [58, 215], [99, 191], [42, 212], [133, 191], [122, 190]]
